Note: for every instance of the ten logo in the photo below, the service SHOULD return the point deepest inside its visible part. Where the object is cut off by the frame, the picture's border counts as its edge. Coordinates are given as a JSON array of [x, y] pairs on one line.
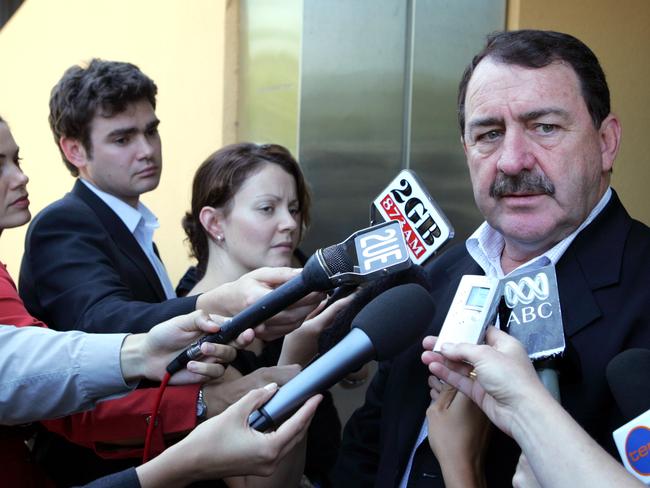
[[526, 290], [637, 450]]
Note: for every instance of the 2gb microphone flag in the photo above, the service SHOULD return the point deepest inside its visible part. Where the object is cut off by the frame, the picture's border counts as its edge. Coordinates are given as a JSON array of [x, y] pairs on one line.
[[424, 225]]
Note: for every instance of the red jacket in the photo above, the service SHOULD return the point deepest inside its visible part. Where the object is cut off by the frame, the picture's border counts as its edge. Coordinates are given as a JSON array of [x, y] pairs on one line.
[[111, 421]]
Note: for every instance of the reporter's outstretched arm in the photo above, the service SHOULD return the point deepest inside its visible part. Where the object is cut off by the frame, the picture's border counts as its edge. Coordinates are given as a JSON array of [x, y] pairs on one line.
[[47, 373], [226, 446], [507, 389]]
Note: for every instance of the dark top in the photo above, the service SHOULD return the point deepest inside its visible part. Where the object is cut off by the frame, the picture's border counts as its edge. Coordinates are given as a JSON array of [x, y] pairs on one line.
[[604, 283]]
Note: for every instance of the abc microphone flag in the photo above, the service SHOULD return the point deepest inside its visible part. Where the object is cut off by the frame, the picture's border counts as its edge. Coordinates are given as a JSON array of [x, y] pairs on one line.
[[536, 320], [535, 317]]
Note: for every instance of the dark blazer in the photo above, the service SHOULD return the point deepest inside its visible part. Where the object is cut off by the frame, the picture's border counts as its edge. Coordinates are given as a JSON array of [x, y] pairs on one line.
[[82, 269], [604, 284]]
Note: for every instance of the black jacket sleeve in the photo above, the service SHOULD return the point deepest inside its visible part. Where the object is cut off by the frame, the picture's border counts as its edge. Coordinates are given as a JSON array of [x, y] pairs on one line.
[[74, 275]]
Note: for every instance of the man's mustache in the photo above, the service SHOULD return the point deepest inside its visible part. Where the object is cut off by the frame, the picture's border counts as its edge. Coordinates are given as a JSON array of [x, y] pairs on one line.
[[524, 182]]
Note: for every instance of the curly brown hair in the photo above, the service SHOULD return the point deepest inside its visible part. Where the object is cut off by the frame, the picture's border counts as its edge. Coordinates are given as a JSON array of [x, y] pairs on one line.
[[221, 176]]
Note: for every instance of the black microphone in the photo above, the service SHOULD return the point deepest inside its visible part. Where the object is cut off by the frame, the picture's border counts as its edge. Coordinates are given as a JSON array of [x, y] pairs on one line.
[[366, 255], [627, 376], [385, 327]]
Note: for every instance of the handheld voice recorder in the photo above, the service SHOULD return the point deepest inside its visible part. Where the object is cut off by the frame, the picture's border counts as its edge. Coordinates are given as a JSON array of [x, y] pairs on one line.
[[472, 309]]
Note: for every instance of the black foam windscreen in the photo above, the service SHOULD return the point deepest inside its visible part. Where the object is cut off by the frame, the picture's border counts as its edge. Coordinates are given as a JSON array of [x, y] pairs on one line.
[[343, 321], [629, 382], [395, 319]]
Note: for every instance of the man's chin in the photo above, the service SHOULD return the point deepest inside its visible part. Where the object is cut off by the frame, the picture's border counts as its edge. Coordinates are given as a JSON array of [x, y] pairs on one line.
[[526, 228], [148, 186]]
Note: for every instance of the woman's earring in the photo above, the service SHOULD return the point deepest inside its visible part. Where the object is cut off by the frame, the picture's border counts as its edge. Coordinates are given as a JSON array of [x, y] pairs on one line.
[[219, 238]]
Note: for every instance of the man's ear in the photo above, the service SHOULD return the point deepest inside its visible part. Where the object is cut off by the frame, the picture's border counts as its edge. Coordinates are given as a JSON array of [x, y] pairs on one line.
[[211, 219], [610, 140], [74, 151]]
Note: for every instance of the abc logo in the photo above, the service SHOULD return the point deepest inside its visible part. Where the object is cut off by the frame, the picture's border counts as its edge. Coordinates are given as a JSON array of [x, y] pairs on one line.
[[637, 450]]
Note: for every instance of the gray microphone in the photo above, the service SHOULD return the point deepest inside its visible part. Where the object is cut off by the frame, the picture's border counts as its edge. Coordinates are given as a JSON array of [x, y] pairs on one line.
[[389, 324]]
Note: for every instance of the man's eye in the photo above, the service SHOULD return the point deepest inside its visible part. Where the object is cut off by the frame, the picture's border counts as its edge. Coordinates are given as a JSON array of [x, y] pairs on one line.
[[490, 135], [546, 128], [121, 141]]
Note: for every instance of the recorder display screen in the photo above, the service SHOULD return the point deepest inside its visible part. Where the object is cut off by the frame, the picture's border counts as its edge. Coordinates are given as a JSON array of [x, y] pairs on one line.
[[477, 296]]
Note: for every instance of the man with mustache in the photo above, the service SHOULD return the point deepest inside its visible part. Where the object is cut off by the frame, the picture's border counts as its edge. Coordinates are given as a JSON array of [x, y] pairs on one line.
[[90, 263], [540, 142]]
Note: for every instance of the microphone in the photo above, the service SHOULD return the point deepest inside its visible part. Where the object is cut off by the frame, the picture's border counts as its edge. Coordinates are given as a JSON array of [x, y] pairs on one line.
[[472, 309], [536, 320], [426, 229], [386, 326], [627, 376], [366, 255]]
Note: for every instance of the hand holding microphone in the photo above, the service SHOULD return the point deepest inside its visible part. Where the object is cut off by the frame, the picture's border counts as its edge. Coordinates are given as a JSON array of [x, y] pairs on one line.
[[386, 326], [253, 286], [502, 379], [506, 387], [368, 254]]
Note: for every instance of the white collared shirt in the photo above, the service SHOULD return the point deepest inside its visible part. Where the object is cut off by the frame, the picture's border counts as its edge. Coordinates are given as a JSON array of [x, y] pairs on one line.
[[142, 223], [485, 246]]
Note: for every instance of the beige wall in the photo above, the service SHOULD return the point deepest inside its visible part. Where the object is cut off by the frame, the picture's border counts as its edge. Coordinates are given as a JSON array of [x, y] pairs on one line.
[[619, 34], [180, 44], [189, 47]]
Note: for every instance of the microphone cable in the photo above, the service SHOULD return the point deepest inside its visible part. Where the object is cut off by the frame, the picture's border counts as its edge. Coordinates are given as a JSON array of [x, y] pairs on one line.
[[153, 419]]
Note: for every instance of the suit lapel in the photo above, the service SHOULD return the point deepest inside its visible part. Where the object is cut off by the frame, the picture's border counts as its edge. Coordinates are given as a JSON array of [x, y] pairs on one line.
[[120, 235], [593, 261]]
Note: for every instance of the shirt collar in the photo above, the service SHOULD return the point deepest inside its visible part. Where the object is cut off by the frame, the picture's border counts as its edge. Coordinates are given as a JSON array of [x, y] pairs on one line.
[[486, 244], [127, 214]]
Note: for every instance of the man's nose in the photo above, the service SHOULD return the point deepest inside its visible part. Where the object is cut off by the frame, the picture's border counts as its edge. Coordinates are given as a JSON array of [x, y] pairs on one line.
[[145, 147], [516, 153]]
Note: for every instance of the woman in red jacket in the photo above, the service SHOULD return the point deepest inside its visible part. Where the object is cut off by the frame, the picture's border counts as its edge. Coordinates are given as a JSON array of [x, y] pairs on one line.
[[17, 470]]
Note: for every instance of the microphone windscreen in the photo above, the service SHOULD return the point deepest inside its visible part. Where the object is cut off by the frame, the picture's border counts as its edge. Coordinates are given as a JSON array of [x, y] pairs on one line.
[[337, 259], [395, 319], [627, 375], [343, 321]]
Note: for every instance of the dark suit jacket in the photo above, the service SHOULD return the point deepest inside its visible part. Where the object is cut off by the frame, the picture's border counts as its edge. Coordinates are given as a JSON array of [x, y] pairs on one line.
[[82, 269], [604, 284]]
